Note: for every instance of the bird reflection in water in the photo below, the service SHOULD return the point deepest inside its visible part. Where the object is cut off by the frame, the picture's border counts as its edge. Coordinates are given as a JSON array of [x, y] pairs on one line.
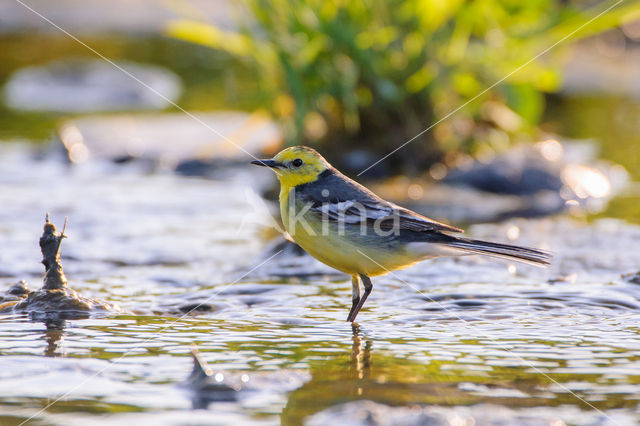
[[360, 357], [54, 336]]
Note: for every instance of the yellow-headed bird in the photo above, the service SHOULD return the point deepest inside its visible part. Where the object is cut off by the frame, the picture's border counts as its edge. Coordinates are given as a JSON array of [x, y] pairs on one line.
[[343, 224]]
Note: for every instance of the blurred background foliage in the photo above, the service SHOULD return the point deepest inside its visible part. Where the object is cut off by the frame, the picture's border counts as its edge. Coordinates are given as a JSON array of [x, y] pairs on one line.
[[339, 73]]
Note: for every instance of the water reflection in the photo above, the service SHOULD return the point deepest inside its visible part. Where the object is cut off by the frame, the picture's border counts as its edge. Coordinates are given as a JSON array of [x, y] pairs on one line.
[[55, 325], [360, 356], [332, 381], [54, 336], [364, 374], [363, 378]]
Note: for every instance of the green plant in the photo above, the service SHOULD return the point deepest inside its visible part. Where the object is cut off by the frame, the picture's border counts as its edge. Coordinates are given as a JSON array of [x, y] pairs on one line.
[[381, 71]]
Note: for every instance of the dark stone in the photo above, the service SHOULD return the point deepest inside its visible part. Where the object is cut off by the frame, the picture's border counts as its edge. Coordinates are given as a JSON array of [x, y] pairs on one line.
[[50, 242], [195, 167], [633, 278], [55, 300], [503, 177], [204, 387], [61, 300], [19, 289], [196, 307]]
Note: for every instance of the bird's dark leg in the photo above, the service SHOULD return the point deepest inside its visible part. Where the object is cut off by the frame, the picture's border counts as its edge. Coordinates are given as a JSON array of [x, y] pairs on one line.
[[355, 292], [367, 290]]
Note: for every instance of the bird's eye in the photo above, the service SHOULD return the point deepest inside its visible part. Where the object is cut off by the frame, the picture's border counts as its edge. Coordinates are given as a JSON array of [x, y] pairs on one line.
[[296, 163]]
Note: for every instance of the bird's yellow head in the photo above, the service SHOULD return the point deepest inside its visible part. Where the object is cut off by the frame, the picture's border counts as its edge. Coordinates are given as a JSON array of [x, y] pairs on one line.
[[296, 165]]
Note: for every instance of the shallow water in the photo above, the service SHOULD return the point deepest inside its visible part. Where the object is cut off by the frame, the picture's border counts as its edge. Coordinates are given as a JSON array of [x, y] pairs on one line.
[[450, 339]]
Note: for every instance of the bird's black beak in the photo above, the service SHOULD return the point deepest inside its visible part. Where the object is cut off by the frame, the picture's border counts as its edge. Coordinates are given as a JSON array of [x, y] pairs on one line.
[[268, 163]]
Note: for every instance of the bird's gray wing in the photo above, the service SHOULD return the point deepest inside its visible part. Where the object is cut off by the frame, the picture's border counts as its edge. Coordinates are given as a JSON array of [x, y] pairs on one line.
[[416, 222], [337, 198], [352, 211], [387, 215]]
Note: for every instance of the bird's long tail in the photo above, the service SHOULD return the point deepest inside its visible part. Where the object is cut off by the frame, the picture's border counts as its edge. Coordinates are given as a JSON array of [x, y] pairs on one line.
[[506, 251]]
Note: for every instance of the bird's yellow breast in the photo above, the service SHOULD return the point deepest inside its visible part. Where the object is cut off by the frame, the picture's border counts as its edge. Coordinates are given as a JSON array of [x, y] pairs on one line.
[[348, 251]]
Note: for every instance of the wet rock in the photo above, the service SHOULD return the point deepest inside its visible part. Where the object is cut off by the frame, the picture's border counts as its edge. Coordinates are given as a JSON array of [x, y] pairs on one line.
[[568, 169], [527, 181], [206, 386], [64, 301], [55, 298], [195, 167], [50, 244], [13, 295], [633, 278], [169, 140], [20, 289], [459, 205], [91, 86], [505, 177]]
